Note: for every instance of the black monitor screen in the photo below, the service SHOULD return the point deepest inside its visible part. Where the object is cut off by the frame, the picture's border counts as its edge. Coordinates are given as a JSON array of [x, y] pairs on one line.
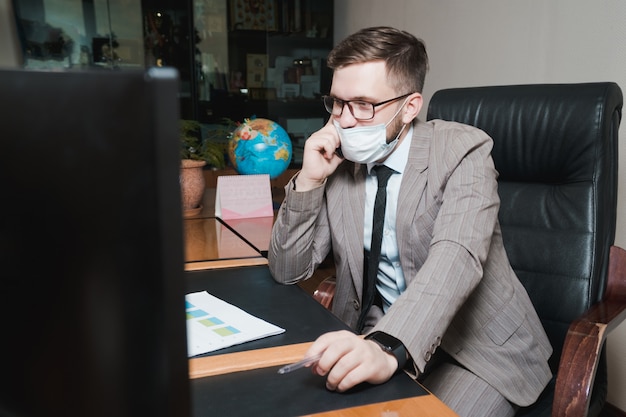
[[91, 256]]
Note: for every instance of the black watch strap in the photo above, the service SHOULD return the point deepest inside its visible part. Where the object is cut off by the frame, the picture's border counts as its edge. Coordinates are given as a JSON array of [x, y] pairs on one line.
[[389, 344]]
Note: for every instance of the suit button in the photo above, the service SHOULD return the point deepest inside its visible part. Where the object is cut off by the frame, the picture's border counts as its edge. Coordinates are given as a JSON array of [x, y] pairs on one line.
[[438, 341], [356, 304], [427, 356]]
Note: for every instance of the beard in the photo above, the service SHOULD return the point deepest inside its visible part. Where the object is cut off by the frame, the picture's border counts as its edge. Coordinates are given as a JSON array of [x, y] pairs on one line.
[[394, 129]]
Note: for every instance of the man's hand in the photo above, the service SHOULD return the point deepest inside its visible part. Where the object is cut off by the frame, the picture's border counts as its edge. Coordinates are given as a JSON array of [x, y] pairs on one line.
[[319, 159], [348, 360]]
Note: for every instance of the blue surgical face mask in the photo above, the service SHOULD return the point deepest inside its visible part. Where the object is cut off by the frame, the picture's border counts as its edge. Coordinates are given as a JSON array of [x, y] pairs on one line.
[[366, 144]]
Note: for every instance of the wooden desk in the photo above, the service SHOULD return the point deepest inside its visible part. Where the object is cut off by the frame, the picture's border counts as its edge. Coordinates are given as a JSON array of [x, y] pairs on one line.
[[256, 231], [243, 380], [214, 243], [209, 243]]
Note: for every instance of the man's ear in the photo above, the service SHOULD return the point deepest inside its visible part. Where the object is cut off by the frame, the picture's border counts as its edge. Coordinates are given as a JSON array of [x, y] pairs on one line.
[[412, 107]]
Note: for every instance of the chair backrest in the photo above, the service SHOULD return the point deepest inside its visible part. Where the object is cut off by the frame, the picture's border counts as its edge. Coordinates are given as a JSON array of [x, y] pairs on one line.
[[555, 148]]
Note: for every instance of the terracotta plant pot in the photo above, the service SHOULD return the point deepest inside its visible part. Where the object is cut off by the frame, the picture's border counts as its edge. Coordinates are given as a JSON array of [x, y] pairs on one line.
[[192, 186]]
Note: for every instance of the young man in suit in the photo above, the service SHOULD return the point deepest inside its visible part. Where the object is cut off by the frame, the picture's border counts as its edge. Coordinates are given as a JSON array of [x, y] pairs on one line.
[[443, 301]]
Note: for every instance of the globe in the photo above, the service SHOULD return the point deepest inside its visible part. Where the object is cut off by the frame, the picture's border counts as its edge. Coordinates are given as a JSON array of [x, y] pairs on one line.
[[260, 146]]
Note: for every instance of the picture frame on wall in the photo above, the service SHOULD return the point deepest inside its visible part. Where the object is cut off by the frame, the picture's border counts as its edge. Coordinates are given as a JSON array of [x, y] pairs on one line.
[[253, 15]]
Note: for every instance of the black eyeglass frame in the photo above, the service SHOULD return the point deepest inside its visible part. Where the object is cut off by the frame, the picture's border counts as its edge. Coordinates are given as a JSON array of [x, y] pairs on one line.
[[344, 102]]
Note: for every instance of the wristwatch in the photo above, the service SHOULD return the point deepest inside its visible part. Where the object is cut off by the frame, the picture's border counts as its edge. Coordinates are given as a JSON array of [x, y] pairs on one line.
[[389, 344]]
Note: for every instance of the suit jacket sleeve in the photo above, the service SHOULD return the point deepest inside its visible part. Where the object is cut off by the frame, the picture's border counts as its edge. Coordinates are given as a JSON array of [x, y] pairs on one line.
[[300, 238], [444, 249]]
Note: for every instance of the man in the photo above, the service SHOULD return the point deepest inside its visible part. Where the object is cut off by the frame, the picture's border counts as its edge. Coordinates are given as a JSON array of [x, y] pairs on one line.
[[443, 278]]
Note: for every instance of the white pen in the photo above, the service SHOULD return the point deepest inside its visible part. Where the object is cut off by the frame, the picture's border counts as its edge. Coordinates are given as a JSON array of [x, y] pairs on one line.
[[300, 364]]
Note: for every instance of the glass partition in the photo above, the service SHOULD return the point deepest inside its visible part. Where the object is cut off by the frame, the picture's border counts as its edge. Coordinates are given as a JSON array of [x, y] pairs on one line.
[[64, 34], [117, 34], [237, 59]]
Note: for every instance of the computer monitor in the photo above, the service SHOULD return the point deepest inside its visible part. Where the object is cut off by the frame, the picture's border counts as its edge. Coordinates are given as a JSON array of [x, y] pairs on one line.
[[92, 316]]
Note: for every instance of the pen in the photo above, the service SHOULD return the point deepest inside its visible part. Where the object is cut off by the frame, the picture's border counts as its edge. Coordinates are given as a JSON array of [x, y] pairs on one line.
[[300, 364]]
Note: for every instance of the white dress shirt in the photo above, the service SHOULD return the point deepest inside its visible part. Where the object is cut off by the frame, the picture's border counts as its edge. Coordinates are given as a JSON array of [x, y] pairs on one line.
[[390, 282]]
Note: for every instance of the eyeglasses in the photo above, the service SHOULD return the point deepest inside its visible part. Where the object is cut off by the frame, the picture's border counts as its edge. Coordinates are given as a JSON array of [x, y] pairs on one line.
[[360, 110]]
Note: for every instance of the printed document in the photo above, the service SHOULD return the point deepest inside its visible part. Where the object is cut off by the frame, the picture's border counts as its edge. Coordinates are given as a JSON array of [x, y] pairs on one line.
[[214, 324]]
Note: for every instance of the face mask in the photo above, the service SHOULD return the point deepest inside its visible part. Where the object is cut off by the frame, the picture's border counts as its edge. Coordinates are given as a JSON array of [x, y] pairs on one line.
[[367, 144]]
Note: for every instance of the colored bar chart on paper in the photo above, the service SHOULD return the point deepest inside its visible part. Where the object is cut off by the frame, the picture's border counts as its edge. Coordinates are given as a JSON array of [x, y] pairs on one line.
[[214, 324]]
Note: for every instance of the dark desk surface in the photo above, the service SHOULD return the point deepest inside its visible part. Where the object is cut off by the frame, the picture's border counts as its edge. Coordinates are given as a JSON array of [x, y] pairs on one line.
[[254, 290], [259, 390], [264, 392]]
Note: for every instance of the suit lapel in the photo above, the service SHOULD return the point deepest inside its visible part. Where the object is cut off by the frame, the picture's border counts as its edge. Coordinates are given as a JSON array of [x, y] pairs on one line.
[[353, 201], [414, 182], [353, 219]]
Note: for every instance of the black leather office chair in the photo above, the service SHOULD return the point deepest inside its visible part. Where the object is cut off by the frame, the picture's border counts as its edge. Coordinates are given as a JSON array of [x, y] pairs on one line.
[[555, 147]]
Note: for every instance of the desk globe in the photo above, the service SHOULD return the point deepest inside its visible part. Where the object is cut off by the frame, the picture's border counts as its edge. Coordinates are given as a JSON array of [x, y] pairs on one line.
[[260, 146]]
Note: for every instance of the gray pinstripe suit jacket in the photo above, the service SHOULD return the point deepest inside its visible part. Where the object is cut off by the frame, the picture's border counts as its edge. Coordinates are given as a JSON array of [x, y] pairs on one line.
[[461, 292]]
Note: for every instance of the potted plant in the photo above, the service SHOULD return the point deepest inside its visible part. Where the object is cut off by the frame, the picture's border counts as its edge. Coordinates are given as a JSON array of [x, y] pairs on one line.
[[196, 153]]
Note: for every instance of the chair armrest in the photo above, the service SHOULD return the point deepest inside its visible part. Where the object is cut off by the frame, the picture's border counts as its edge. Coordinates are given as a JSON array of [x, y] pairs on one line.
[[584, 340], [325, 292]]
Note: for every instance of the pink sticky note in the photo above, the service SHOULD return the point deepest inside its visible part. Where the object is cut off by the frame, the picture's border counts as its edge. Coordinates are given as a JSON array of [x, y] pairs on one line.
[[243, 197]]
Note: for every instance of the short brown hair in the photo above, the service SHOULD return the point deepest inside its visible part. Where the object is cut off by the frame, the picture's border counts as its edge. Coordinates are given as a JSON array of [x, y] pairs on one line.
[[404, 55]]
